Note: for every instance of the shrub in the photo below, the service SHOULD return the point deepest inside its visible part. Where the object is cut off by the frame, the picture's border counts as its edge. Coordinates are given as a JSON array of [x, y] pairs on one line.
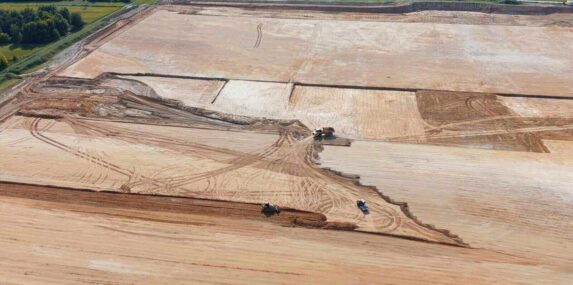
[[4, 39], [3, 62], [76, 21]]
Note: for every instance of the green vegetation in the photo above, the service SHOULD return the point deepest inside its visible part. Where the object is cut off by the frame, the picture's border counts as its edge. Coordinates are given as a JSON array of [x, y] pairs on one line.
[[389, 2], [141, 2], [3, 62], [22, 31], [26, 57], [89, 13]]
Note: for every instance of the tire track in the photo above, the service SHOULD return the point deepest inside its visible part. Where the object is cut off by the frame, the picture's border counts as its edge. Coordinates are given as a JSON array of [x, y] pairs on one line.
[[36, 134], [131, 175], [259, 35]]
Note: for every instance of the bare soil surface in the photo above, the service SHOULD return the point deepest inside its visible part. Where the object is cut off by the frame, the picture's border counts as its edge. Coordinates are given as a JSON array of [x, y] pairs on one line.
[[45, 242], [530, 60], [111, 203], [143, 154], [118, 157], [515, 202]]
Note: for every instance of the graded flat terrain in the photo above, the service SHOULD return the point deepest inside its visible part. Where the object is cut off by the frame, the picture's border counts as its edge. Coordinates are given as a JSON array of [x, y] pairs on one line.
[[192, 92], [463, 119], [515, 202], [356, 113], [145, 156], [157, 160], [48, 242], [473, 58]]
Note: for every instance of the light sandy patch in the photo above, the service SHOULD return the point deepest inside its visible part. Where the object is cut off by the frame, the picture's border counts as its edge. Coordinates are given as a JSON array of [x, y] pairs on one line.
[[358, 113], [558, 147], [56, 154], [474, 58], [257, 99], [539, 107], [192, 92], [114, 267], [240, 141], [99, 62], [354, 113], [515, 202]]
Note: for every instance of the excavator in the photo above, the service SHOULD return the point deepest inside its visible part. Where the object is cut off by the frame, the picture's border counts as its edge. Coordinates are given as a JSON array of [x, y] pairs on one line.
[[325, 132]]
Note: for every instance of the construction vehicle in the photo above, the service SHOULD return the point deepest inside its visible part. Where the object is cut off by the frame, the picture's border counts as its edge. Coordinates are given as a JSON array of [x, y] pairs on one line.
[[269, 209], [325, 132], [362, 206]]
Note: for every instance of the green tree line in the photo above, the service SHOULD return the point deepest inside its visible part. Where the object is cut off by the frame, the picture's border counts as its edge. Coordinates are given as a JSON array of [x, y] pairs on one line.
[[37, 26]]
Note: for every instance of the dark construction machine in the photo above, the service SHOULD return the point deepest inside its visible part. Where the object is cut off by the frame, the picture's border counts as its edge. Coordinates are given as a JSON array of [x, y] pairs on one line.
[[325, 132], [269, 209], [362, 206]]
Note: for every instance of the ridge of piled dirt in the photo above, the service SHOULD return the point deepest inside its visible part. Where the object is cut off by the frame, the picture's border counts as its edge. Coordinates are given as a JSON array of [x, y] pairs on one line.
[[162, 203]]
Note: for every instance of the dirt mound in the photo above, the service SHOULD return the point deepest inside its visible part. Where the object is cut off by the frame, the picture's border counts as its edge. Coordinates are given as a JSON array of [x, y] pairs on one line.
[[107, 201]]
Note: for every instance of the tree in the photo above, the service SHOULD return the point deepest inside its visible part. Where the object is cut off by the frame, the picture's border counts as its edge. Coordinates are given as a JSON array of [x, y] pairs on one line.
[[65, 13], [3, 62], [76, 21], [29, 15], [29, 32], [15, 33], [61, 25], [50, 9], [40, 26], [4, 38]]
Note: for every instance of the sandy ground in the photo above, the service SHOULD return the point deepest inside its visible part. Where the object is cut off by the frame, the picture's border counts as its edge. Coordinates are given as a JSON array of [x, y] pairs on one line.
[[257, 99], [54, 243], [498, 216], [473, 120], [251, 167], [560, 147], [530, 60], [539, 107], [356, 113], [196, 93], [515, 202]]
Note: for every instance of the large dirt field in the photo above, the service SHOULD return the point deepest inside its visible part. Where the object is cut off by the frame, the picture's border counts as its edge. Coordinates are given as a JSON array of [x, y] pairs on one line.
[[145, 155], [473, 58], [83, 242], [514, 202]]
